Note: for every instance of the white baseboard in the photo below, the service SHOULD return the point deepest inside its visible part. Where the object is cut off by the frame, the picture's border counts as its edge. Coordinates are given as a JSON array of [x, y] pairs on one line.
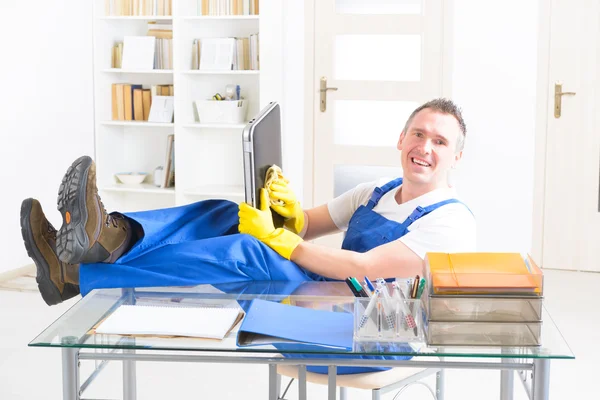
[[15, 273]]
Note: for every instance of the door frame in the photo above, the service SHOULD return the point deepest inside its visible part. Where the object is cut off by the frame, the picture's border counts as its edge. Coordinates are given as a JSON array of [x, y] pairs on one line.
[[541, 130], [311, 87]]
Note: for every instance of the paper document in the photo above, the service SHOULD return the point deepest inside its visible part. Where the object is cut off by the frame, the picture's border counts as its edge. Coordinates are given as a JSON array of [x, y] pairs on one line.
[[204, 322]]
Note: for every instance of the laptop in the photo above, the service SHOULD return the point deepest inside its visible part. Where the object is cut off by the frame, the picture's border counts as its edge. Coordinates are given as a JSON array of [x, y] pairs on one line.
[[261, 142]]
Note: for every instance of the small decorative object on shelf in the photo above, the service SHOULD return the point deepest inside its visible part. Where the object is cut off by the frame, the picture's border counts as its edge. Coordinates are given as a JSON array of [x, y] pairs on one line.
[[131, 178]]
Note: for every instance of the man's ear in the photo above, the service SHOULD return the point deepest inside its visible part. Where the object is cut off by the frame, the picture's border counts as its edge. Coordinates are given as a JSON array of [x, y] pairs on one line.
[[457, 158], [400, 140]]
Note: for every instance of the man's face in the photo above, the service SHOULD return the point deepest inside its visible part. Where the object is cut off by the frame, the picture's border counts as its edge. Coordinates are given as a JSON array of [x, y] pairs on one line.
[[429, 148]]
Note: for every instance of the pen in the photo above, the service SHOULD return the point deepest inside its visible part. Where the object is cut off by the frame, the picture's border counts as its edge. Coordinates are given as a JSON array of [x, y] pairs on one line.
[[369, 309], [413, 292], [410, 320], [387, 308], [369, 284], [352, 288], [358, 287], [421, 288], [367, 288]]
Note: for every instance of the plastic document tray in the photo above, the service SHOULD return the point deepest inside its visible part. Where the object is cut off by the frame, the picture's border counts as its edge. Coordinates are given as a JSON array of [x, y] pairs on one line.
[[482, 308], [483, 333]]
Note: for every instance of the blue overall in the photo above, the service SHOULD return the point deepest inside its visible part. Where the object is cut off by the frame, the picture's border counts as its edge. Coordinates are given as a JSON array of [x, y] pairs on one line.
[[199, 244]]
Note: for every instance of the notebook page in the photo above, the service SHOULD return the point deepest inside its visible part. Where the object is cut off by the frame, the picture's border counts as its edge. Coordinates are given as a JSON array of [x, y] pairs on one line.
[[204, 322]]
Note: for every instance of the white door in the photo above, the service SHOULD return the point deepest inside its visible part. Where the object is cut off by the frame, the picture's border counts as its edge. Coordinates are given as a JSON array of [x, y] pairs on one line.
[[385, 59], [571, 238]]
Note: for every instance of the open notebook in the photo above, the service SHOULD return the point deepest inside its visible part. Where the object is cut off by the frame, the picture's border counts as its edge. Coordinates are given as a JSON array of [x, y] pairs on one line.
[[203, 322]]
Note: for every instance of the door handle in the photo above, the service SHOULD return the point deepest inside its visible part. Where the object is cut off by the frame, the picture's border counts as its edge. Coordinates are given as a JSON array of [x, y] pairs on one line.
[[558, 94], [323, 93]]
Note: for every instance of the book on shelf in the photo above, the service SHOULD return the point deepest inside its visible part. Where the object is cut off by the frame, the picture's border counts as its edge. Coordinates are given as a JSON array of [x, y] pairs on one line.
[[218, 54], [128, 8], [131, 102], [228, 7], [117, 55], [169, 168]]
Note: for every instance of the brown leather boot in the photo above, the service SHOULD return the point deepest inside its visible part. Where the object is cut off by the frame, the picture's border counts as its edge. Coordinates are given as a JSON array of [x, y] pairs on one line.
[[88, 233], [57, 281]]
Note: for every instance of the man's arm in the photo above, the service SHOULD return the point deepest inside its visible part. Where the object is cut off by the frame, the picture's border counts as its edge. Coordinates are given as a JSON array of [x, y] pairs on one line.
[[317, 223], [388, 261]]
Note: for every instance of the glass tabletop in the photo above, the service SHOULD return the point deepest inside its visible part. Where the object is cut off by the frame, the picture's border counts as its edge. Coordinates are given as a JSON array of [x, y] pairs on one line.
[[75, 328]]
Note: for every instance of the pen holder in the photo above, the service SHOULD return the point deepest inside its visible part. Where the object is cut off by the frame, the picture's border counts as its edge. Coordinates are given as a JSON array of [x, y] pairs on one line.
[[222, 111], [387, 320]]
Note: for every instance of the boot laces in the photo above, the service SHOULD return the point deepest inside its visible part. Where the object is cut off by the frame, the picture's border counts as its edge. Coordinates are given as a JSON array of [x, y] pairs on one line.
[[110, 219]]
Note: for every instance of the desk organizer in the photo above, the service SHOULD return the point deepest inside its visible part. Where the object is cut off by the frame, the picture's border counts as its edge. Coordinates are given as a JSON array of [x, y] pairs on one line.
[[222, 111], [386, 321], [482, 308], [440, 333]]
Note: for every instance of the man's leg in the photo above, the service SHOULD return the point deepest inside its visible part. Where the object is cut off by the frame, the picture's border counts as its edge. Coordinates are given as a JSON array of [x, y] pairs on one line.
[[57, 281], [90, 235], [219, 260]]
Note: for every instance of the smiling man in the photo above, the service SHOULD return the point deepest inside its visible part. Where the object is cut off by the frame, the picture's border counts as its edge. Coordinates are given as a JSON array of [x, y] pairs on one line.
[[390, 224]]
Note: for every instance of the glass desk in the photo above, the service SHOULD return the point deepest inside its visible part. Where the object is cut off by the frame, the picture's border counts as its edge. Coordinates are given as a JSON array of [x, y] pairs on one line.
[[73, 333]]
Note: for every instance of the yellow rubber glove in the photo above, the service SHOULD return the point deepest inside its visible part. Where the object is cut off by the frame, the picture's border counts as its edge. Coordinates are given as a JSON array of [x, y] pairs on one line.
[[259, 223], [285, 203]]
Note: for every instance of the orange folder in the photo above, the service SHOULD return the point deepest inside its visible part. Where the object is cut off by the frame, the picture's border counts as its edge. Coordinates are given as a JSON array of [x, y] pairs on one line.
[[483, 273]]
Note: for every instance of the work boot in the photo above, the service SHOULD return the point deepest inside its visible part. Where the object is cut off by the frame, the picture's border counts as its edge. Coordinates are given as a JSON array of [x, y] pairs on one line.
[[88, 233], [56, 281]]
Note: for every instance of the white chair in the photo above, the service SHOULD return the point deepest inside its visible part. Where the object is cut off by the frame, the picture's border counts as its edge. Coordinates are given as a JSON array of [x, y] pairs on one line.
[[378, 382]]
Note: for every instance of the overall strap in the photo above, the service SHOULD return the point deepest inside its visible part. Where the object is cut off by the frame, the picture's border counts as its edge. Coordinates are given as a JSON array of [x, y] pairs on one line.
[[380, 191], [420, 211]]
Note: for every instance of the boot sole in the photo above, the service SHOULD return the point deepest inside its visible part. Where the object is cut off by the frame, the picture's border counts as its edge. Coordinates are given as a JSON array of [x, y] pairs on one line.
[[48, 290], [72, 241]]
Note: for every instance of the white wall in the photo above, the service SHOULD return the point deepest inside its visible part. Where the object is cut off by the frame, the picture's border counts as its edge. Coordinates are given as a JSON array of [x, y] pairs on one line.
[[46, 118], [494, 61], [494, 80]]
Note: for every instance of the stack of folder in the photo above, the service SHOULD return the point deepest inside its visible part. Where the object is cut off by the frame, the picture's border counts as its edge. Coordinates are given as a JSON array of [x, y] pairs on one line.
[[482, 299]]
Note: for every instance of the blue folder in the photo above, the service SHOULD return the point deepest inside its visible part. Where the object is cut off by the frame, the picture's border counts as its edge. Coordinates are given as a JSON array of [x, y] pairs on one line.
[[268, 322]]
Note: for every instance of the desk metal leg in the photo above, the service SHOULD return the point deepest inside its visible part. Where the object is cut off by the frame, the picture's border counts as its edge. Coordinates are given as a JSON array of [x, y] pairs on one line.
[[331, 386], [129, 380], [439, 384], [541, 379], [507, 378], [70, 371], [273, 390], [302, 382]]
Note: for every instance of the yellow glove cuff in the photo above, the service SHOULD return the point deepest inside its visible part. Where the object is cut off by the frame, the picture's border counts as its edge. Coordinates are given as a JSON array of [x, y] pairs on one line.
[[283, 242], [296, 223]]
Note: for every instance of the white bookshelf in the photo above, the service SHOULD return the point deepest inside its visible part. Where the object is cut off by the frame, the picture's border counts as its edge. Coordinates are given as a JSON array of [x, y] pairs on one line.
[[208, 157]]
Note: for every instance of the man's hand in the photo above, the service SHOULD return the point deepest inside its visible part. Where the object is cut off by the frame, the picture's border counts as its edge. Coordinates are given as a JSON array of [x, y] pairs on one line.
[[280, 192], [259, 223]]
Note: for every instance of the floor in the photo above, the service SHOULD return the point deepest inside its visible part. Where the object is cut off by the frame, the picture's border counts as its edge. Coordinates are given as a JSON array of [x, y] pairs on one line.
[[35, 373]]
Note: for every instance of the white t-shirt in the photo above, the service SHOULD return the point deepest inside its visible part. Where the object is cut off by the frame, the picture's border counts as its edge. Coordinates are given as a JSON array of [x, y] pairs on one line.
[[448, 229]]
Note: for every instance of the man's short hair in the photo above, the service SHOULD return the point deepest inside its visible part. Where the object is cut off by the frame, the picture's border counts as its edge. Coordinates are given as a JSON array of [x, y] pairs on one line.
[[444, 106]]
